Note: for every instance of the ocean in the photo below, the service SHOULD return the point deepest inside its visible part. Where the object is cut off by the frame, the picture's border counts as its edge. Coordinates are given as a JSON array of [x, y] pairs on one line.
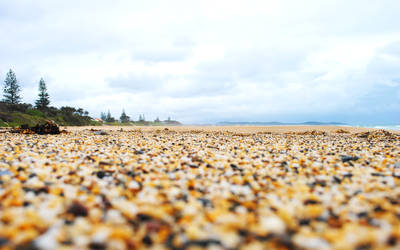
[[386, 127]]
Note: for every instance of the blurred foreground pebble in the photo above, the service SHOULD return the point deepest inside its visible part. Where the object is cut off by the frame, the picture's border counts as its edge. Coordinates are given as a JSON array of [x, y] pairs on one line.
[[164, 189]]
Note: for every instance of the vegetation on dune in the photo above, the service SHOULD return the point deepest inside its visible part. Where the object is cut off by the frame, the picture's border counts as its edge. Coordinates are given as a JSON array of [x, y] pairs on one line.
[[14, 119], [13, 113]]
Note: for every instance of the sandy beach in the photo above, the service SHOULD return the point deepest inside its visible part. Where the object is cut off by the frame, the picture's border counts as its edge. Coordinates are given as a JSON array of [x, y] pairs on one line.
[[209, 187], [237, 129]]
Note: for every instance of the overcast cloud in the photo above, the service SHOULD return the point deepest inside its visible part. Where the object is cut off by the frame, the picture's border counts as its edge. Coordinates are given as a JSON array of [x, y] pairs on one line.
[[209, 61]]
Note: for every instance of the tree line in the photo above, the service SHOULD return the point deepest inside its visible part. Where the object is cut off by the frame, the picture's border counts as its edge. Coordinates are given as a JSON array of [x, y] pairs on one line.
[[14, 112], [124, 118], [11, 105]]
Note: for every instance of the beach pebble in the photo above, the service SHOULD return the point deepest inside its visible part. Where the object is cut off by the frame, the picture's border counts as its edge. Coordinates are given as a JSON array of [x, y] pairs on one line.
[[210, 188]]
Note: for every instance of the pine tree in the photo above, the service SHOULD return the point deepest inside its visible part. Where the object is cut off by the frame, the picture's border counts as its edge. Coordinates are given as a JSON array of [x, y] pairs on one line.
[[11, 89], [103, 116], [43, 101], [109, 118], [124, 118]]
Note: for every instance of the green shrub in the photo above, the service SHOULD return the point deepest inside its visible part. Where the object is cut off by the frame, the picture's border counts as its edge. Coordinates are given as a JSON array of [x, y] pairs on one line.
[[3, 124], [35, 112], [18, 118], [95, 123]]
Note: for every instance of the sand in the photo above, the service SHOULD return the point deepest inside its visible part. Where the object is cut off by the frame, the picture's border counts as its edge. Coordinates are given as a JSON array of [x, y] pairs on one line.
[[238, 129]]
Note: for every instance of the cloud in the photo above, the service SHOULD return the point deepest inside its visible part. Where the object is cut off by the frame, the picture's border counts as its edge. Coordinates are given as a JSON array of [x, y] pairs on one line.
[[384, 67], [136, 83], [155, 55], [210, 61]]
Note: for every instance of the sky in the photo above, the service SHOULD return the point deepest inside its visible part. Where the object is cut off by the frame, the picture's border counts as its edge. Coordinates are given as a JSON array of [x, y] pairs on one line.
[[208, 61]]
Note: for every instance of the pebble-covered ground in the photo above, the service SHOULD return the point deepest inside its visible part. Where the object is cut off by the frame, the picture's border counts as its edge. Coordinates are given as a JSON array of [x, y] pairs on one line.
[[167, 189]]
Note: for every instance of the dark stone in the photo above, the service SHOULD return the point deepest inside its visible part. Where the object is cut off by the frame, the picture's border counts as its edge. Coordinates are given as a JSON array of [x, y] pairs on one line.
[[362, 215], [321, 183], [37, 191], [131, 173], [235, 204], [77, 209], [391, 241], [349, 175], [3, 241], [106, 204], [68, 222], [205, 202], [67, 242], [321, 218], [378, 209], [27, 246], [104, 163], [44, 189], [243, 232], [194, 166], [337, 179], [235, 167], [101, 174], [286, 241], [32, 175], [100, 132], [266, 237], [184, 197], [311, 202], [201, 243], [304, 222], [169, 243], [147, 240], [143, 217], [346, 158], [363, 247], [97, 246], [139, 152]]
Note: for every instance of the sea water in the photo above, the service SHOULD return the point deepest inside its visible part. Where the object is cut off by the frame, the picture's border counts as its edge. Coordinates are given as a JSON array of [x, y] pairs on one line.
[[386, 127], [389, 127]]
